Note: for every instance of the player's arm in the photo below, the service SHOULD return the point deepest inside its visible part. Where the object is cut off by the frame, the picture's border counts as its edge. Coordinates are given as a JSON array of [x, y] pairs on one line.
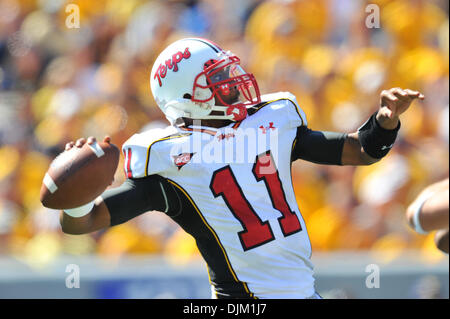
[[430, 210], [97, 218], [118, 205], [377, 136], [364, 147]]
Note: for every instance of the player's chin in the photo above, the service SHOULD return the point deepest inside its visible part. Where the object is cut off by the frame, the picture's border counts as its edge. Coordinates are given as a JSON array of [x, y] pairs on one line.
[[229, 99]]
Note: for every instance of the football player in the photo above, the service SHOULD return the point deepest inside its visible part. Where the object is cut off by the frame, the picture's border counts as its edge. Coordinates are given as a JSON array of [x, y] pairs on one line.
[[222, 169]]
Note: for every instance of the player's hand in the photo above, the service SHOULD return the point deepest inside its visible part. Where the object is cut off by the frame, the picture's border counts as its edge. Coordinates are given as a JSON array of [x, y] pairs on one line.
[[394, 102], [81, 141], [90, 140]]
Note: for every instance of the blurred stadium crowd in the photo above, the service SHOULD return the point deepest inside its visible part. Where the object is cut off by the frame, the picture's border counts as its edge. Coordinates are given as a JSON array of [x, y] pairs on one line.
[[58, 84]]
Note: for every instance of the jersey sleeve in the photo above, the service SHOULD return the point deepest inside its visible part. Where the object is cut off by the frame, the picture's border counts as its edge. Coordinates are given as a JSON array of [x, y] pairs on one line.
[[141, 158], [137, 196], [297, 115]]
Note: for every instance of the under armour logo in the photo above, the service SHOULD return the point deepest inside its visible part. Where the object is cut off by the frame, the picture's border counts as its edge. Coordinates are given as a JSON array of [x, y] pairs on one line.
[[264, 129], [384, 147]]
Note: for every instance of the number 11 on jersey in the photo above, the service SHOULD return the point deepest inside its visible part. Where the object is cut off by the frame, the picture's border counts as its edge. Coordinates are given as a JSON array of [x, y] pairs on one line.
[[256, 232]]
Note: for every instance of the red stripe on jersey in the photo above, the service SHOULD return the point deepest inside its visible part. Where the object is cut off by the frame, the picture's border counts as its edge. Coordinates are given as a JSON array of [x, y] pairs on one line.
[[129, 173]]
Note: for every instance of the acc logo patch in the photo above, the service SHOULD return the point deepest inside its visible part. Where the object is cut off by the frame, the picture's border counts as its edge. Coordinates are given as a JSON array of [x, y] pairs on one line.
[[171, 64], [182, 159]]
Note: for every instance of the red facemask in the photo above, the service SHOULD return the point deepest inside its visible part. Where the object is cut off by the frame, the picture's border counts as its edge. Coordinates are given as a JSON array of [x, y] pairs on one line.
[[230, 85]]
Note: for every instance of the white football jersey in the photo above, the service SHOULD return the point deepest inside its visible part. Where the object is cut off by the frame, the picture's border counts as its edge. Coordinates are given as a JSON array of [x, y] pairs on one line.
[[238, 180]]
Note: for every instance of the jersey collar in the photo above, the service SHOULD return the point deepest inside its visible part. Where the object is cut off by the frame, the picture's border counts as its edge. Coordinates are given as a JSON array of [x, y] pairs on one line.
[[202, 129], [207, 129]]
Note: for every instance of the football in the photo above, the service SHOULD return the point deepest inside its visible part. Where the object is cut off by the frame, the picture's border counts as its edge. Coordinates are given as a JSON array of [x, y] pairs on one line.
[[78, 175]]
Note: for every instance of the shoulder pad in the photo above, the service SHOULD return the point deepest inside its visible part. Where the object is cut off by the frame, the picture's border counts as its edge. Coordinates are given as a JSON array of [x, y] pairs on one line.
[[286, 103], [137, 151]]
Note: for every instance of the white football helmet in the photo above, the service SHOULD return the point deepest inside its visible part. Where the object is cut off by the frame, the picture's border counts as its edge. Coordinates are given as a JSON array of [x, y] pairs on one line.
[[196, 79]]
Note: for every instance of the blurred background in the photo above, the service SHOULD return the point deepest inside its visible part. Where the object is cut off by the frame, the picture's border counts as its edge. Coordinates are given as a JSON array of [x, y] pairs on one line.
[[59, 83]]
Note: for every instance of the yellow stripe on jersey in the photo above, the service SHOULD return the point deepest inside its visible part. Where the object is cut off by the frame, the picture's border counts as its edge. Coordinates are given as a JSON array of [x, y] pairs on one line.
[[295, 104], [161, 139], [215, 236]]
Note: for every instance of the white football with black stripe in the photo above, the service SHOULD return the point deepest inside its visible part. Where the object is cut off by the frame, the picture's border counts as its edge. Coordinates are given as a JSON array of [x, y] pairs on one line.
[[79, 175]]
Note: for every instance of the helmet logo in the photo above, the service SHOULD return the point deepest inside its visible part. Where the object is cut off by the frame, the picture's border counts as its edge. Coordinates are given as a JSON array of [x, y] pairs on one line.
[[171, 64]]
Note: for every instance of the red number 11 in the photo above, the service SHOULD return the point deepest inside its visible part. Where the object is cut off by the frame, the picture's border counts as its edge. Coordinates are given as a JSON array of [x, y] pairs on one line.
[[256, 232]]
